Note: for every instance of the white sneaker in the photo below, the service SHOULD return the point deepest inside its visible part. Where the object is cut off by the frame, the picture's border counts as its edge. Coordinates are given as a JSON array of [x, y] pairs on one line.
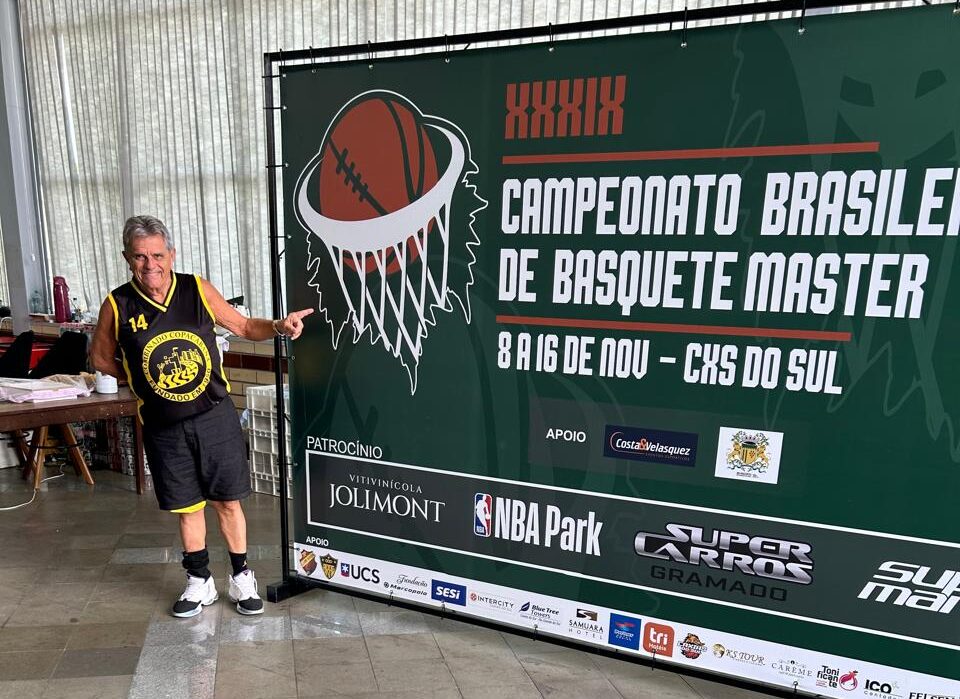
[[243, 591], [195, 597]]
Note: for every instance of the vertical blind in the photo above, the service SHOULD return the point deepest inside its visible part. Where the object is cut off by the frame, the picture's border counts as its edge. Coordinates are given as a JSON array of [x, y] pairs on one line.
[[155, 107]]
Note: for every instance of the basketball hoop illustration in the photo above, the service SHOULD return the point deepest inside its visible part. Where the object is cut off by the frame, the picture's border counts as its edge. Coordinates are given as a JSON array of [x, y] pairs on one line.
[[387, 217]]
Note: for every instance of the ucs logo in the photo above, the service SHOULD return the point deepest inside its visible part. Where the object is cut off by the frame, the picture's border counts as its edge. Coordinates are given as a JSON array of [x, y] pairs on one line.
[[482, 507], [451, 593], [370, 575]]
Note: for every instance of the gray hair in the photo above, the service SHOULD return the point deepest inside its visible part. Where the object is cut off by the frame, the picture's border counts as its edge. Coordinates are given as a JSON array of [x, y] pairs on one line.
[[143, 226]]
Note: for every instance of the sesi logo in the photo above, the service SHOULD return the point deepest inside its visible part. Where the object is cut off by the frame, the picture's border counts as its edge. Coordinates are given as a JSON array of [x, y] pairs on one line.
[[451, 593]]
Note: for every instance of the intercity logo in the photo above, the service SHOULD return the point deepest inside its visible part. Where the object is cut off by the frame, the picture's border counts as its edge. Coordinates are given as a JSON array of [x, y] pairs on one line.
[[658, 639], [657, 446], [448, 592], [494, 603], [624, 631]]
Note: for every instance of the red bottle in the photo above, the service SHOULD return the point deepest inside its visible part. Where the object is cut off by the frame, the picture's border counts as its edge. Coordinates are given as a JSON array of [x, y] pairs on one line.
[[61, 300]]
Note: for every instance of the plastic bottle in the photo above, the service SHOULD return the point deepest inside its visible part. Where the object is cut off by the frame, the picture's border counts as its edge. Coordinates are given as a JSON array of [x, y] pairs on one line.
[[61, 300]]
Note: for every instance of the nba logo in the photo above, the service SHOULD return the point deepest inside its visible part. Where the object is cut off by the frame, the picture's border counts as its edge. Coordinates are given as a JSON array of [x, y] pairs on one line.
[[482, 504]]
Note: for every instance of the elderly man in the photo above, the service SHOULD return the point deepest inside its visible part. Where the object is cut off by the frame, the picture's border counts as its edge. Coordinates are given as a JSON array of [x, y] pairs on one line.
[[163, 323]]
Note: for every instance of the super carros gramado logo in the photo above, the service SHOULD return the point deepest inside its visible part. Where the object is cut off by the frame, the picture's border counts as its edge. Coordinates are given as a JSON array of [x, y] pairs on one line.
[[385, 496], [524, 521], [739, 553], [177, 365]]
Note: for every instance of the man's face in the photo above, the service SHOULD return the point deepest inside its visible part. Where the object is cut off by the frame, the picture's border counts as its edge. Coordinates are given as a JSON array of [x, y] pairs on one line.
[[151, 263]]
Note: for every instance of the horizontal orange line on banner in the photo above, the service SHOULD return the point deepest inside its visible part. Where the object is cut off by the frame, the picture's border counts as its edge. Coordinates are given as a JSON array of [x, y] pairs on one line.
[[693, 153], [636, 326]]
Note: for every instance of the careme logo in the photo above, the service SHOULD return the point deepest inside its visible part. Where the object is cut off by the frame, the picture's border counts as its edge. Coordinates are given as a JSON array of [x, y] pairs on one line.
[[624, 631], [657, 446]]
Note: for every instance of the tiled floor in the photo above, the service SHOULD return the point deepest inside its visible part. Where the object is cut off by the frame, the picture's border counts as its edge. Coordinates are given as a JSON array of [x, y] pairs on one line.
[[88, 576]]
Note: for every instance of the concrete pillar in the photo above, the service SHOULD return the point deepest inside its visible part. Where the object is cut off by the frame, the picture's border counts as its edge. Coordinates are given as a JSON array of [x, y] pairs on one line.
[[19, 205]]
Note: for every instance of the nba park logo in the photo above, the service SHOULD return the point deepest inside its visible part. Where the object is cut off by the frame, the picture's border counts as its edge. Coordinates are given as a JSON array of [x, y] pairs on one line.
[[389, 206]]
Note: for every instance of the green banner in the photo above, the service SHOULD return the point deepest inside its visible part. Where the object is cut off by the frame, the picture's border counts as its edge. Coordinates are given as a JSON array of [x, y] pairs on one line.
[[661, 331]]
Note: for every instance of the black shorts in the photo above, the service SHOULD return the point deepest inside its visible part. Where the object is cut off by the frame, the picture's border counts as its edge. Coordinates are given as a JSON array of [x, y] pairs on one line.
[[203, 457]]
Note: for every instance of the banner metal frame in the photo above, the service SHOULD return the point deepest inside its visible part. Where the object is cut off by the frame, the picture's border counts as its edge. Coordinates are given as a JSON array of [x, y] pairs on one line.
[[293, 584]]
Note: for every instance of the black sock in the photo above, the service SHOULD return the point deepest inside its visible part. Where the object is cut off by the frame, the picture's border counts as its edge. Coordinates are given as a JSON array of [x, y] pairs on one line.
[[239, 562], [196, 562]]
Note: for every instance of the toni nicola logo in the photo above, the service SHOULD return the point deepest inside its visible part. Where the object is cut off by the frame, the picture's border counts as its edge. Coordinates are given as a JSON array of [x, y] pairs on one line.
[[390, 207]]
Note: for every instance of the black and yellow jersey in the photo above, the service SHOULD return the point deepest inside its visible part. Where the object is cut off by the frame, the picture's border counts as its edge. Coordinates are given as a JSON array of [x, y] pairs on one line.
[[169, 350]]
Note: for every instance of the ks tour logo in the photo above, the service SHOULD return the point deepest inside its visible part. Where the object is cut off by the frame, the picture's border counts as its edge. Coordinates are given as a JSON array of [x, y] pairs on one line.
[[386, 201]]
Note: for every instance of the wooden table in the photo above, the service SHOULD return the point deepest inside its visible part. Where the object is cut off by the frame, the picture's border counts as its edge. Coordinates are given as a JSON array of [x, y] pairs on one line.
[[97, 406]]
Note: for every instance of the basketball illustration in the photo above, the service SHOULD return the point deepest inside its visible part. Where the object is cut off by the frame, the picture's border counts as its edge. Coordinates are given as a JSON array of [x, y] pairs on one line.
[[377, 159], [385, 200]]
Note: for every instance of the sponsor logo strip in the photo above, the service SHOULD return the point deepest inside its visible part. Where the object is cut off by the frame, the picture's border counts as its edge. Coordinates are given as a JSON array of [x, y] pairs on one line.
[[582, 537], [685, 644]]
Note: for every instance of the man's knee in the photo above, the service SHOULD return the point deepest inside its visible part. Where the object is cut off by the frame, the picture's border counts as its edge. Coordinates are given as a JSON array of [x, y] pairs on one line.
[[226, 507]]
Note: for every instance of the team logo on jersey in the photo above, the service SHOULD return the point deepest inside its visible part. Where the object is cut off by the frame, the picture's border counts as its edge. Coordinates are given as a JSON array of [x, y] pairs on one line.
[[390, 207], [177, 365]]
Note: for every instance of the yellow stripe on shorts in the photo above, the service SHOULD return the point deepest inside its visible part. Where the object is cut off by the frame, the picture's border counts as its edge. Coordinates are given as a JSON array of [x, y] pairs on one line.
[[190, 508]]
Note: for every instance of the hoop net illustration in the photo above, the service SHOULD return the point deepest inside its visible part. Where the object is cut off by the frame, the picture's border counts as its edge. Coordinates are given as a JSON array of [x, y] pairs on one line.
[[387, 223]]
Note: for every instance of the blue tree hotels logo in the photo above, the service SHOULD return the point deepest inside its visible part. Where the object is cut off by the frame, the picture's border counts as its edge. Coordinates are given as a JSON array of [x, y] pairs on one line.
[[624, 631]]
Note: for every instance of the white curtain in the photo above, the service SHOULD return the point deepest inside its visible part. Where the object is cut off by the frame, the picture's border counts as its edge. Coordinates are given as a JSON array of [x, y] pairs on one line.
[[155, 107]]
